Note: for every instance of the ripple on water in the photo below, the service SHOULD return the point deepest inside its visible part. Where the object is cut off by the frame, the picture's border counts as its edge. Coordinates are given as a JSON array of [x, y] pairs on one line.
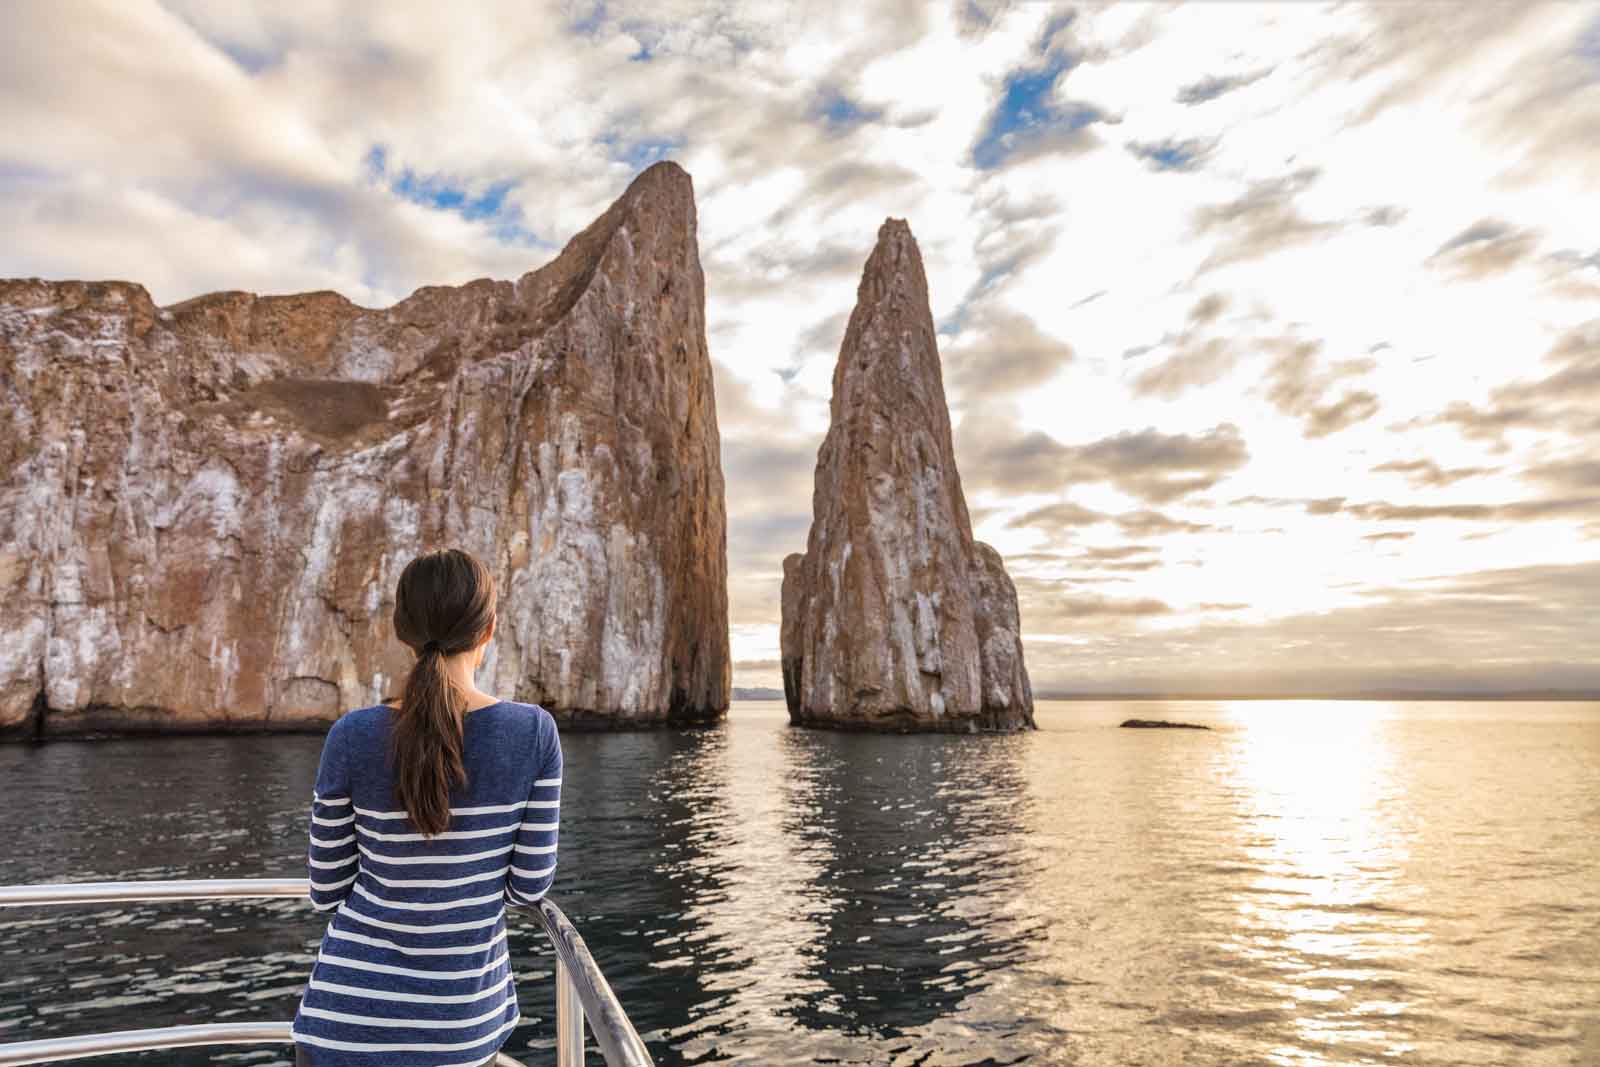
[[1307, 884]]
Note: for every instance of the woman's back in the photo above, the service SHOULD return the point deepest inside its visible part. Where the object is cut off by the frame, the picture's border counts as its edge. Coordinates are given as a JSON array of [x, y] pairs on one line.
[[414, 970]]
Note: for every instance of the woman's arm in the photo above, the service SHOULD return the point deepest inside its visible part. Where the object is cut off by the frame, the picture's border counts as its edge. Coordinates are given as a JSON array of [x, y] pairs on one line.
[[332, 859], [533, 856]]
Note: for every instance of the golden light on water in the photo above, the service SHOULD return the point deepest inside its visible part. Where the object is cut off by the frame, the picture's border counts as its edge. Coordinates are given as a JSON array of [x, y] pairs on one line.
[[1329, 911]]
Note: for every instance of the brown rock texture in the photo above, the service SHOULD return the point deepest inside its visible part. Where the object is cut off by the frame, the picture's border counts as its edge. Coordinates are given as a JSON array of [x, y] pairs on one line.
[[204, 508], [894, 618]]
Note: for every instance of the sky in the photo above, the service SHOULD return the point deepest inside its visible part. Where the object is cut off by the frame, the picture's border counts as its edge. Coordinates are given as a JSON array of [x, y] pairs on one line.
[[1271, 332]]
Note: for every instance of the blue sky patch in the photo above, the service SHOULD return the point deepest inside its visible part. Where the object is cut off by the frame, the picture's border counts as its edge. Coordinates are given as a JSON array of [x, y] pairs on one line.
[[445, 194], [840, 113], [641, 153], [1170, 154], [1028, 115]]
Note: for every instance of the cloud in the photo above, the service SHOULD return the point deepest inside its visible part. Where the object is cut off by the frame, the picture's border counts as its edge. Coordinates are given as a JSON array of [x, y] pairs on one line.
[[1487, 247], [1171, 154], [1326, 506], [1427, 473], [1262, 220], [1195, 360], [1194, 364], [1115, 552], [1215, 85], [1534, 509], [1297, 384], [1006, 207], [1353, 407], [1003, 256], [836, 110], [1036, 155], [768, 466], [779, 258], [1152, 466], [1060, 520], [844, 182], [1112, 558], [1077, 607], [1050, 606], [1058, 515], [1158, 467], [1546, 110], [1030, 119], [1568, 475], [822, 338], [1209, 307], [1146, 523], [1515, 510], [1566, 400], [757, 543], [1515, 627], [1000, 351]]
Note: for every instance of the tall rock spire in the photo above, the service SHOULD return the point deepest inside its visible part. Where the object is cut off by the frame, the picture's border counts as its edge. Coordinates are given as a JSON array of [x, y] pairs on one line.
[[894, 618], [207, 506]]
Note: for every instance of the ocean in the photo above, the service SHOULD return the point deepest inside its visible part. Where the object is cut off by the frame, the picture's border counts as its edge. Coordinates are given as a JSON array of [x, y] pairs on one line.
[[1310, 882]]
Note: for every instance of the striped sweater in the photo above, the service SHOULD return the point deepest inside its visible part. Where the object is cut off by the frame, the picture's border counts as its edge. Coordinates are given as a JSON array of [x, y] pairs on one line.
[[414, 970]]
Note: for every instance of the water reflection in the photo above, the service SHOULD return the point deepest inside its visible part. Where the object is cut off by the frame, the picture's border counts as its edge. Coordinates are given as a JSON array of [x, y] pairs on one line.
[[917, 850], [1304, 884], [209, 807], [645, 833]]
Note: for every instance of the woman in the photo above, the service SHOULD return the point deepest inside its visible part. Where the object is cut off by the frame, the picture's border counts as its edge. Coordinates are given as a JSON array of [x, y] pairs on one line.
[[430, 815]]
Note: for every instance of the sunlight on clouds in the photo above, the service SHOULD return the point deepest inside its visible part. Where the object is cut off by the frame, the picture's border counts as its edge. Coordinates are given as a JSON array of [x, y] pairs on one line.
[[1322, 225]]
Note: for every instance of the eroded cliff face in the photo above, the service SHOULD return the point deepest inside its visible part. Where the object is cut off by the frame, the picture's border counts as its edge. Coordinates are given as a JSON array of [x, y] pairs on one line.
[[205, 507], [894, 618]]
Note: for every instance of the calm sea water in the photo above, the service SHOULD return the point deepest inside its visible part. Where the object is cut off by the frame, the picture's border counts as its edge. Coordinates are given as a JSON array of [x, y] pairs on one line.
[[1309, 883]]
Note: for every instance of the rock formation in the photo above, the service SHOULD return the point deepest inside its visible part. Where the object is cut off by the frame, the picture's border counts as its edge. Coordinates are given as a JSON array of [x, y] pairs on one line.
[[204, 508], [894, 618]]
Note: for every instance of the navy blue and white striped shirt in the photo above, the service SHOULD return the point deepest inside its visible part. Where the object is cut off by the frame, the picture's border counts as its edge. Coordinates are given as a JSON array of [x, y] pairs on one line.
[[414, 969]]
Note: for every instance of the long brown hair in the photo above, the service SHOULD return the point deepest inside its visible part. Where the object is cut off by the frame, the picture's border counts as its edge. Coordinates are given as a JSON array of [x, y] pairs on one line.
[[445, 604]]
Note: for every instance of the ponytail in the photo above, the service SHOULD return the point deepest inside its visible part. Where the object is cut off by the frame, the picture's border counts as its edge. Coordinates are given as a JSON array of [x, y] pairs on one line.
[[444, 605]]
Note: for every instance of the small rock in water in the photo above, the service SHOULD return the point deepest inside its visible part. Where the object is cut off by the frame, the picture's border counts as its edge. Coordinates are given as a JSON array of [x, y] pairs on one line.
[[1160, 724]]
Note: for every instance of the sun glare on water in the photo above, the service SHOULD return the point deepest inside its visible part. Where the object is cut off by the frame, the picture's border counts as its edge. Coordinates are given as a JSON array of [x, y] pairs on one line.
[[1329, 911]]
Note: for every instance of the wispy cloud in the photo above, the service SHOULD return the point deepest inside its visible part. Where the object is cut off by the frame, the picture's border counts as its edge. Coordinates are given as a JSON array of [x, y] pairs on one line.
[[1146, 464], [1289, 305]]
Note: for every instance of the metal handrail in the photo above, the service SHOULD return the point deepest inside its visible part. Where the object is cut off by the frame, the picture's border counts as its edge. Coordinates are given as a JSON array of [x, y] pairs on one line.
[[578, 978], [55, 1050]]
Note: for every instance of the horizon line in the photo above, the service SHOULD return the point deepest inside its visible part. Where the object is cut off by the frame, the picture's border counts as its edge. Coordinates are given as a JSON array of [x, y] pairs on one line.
[[1555, 694]]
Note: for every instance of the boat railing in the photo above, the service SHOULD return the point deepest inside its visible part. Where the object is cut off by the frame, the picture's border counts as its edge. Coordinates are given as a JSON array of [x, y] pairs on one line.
[[582, 992]]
